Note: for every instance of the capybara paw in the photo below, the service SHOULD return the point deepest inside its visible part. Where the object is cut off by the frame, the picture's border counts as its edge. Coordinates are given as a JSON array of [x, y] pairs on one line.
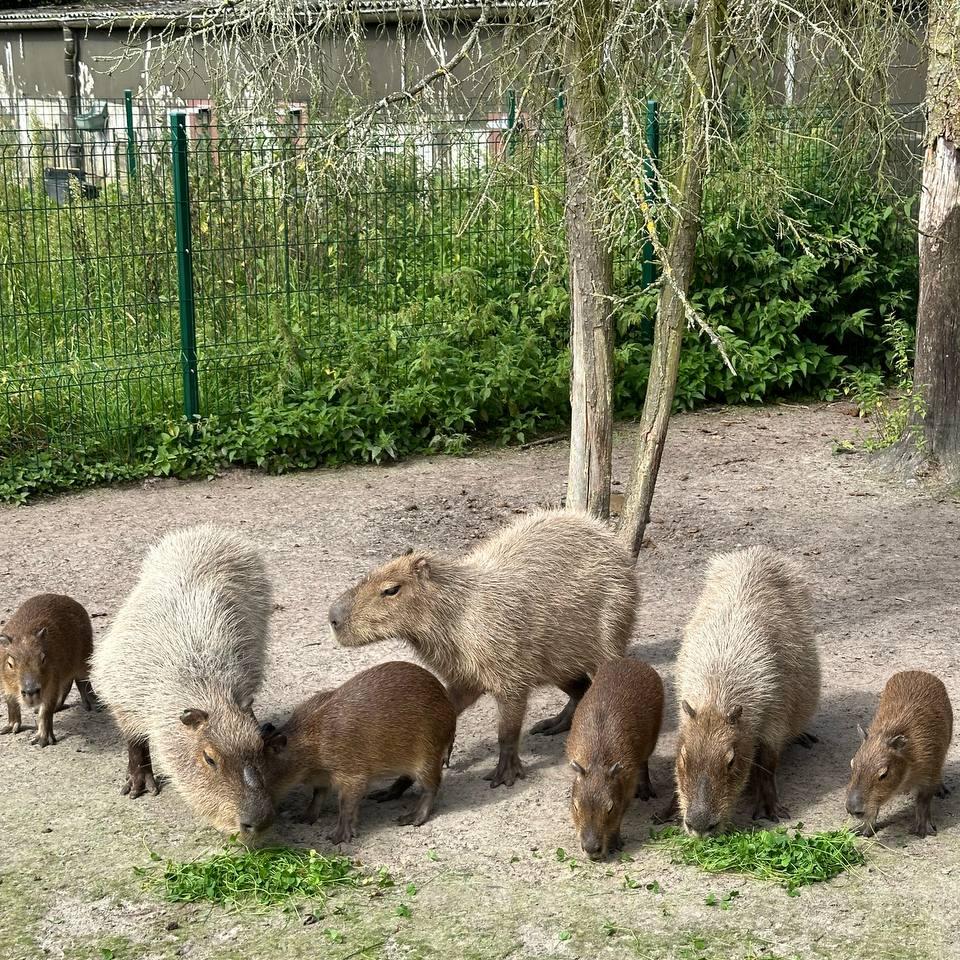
[[923, 829], [138, 784], [341, 835], [12, 728], [552, 726], [774, 814], [42, 740], [507, 772], [412, 819], [806, 740], [645, 792]]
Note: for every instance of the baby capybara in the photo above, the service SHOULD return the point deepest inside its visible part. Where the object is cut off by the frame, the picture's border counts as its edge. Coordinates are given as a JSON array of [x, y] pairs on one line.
[[614, 732], [543, 602], [903, 751], [46, 646], [393, 720]]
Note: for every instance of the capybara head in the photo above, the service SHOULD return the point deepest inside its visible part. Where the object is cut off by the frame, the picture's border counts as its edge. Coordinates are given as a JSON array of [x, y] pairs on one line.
[[387, 604], [25, 670], [601, 795], [878, 769], [713, 763], [220, 765]]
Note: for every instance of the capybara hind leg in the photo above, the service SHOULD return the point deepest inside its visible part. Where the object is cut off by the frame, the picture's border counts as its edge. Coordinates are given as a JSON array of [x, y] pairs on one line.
[[351, 793], [62, 699], [922, 824], [943, 791], [645, 789], [44, 734], [670, 812], [768, 804], [14, 724], [396, 790], [574, 689], [509, 768], [315, 806], [806, 740], [90, 700], [140, 779], [429, 782]]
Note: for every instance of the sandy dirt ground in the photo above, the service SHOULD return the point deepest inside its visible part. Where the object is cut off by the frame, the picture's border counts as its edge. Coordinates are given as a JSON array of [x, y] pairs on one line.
[[884, 561]]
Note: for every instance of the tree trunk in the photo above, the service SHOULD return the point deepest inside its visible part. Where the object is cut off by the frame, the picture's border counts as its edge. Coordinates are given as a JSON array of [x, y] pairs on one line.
[[590, 261], [936, 438], [707, 70]]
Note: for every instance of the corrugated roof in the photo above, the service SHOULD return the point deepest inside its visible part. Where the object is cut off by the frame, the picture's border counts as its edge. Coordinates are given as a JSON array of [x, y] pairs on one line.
[[94, 13]]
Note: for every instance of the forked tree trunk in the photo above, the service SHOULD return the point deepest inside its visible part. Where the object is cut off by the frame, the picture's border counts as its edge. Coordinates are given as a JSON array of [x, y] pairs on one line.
[[936, 437], [590, 261], [707, 70]]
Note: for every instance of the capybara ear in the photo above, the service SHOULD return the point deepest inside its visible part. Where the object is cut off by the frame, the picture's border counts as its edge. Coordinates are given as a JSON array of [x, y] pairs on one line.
[[193, 718], [576, 766], [897, 743], [688, 710], [862, 732], [407, 552], [734, 715], [5, 640], [276, 742], [266, 729], [421, 567]]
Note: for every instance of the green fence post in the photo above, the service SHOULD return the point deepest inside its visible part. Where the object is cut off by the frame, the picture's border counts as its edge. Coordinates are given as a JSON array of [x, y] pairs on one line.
[[511, 118], [185, 291], [131, 135]]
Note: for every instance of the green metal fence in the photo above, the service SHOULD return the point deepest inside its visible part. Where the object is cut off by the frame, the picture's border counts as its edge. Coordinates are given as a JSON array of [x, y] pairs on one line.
[[168, 263]]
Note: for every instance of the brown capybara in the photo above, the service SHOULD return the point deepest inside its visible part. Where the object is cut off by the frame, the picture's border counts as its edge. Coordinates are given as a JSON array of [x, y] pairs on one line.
[[613, 735], [46, 647], [903, 751], [748, 682], [393, 720], [542, 603]]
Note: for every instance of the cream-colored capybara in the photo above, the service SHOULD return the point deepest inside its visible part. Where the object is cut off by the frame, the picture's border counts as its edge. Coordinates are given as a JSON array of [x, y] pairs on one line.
[[393, 720], [613, 735], [46, 646], [903, 751], [179, 668], [542, 603], [748, 683]]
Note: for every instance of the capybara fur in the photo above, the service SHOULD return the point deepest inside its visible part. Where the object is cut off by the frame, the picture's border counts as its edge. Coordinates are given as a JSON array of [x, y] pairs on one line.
[[903, 751], [46, 646], [613, 734], [748, 682], [393, 720], [179, 668], [542, 603]]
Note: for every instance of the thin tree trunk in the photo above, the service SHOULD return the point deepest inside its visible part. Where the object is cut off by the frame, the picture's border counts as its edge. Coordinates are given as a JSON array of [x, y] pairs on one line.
[[707, 70], [936, 437], [590, 260]]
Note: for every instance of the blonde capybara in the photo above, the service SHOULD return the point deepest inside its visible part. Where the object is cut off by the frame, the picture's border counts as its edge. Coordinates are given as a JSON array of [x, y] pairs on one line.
[[179, 668], [543, 602], [46, 647], [612, 738], [393, 720], [748, 683], [903, 751]]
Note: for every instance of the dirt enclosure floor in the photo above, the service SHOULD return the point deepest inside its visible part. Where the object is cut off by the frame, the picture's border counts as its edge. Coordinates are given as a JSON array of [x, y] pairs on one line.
[[487, 882]]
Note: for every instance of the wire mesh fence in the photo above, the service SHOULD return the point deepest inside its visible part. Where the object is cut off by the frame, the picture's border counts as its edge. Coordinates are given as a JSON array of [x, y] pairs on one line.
[[287, 265]]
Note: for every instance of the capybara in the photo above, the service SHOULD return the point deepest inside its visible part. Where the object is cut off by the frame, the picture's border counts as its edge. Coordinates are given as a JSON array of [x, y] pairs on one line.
[[613, 735], [748, 682], [394, 720], [543, 602], [179, 667], [903, 751], [46, 647]]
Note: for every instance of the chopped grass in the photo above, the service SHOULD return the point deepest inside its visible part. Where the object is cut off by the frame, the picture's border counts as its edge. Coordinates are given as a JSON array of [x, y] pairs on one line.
[[268, 877], [792, 859]]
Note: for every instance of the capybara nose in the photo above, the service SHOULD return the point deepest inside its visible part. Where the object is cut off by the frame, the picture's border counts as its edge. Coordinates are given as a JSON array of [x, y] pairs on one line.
[[336, 616], [32, 692], [699, 823], [855, 805]]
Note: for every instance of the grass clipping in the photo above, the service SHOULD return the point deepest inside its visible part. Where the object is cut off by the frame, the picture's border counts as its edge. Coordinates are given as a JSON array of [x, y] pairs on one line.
[[269, 877], [792, 859]]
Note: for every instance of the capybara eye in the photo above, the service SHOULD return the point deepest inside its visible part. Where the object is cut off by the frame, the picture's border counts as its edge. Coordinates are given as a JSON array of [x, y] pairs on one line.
[[10, 663], [609, 805], [391, 591], [731, 756], [210, 761], [43, 658], [882, 773]]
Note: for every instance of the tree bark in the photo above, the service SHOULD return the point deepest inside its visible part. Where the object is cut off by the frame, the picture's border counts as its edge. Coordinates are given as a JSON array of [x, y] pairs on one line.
[[590, 262], [936, 437], [707, 70]]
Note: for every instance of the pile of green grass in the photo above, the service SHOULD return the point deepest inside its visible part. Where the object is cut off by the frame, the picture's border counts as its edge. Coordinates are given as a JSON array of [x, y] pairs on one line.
[[792, 859], [269, 877]]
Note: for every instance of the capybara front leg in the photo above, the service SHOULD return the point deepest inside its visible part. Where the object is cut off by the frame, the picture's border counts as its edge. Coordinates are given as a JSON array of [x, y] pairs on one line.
[[429, 781], [14, 724], [462, 696], [140, 779], [645, 789], [670, 812], [351, 793], [44, 734], [509, 768], [922, 824], [768, 804], [90, 700], [574, 689]]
